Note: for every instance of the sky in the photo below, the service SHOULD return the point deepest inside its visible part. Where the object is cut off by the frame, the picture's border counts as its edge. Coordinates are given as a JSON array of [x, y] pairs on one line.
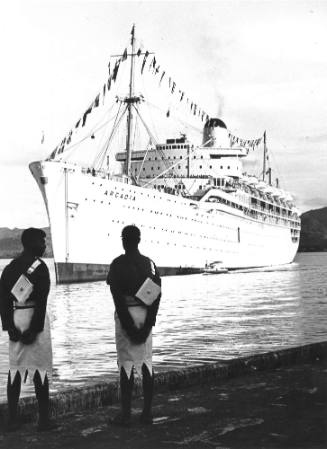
[[258, 65]]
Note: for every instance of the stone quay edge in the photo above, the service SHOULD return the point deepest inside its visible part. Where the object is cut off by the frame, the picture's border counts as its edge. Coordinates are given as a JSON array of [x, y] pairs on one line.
[[106, 393]]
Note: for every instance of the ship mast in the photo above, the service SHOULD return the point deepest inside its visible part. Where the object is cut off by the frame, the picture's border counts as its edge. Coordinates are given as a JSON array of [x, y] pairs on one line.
[[130, 100], [264, 156]]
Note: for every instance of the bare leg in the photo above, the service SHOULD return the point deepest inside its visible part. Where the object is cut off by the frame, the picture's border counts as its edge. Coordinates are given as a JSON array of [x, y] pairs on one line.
[[13, 393], [42, 396], [126, 389], [148, 383]]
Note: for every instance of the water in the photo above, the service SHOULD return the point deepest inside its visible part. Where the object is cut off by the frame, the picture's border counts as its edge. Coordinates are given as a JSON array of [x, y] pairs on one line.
[[201, 319]]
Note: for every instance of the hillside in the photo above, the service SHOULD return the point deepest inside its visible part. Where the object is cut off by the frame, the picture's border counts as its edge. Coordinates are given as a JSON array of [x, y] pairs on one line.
[[10, 244], [314, 230]]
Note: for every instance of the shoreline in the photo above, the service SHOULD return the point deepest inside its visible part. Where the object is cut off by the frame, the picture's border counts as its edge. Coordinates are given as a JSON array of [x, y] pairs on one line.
[[49, 256], [106, 393]]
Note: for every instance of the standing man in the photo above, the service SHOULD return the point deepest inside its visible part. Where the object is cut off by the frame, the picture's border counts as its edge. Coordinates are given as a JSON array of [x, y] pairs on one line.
[[24, 289], [133, 322]]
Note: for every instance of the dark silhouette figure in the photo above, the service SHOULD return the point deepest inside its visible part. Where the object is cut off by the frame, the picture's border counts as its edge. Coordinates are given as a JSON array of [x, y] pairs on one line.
[[133, 322], [27, 325]]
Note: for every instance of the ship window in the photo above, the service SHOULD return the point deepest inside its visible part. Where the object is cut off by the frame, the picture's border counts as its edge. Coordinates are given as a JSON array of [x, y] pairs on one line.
[[228, 167], [179, 166], [155, 158], [200, 166], [143, 168], [194, 157], [201, 157], [181, 157], [221, 167], [210, 166]]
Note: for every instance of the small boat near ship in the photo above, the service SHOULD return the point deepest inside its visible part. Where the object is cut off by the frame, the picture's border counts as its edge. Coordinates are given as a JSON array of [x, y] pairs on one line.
[[215, 268]]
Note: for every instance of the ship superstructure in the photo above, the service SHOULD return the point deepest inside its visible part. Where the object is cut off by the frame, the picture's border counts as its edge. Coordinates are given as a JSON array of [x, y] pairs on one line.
[[193, 203]]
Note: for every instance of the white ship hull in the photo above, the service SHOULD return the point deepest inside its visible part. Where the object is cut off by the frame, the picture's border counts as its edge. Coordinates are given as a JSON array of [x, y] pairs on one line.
[[87, 213]]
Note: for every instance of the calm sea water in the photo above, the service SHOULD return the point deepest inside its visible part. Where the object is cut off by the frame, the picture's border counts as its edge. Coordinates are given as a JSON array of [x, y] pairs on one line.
[[201, 319]]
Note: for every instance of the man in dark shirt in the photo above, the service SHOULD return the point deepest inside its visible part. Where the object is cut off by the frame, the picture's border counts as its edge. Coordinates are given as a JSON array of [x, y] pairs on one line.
[[30, 350], [134, 322]]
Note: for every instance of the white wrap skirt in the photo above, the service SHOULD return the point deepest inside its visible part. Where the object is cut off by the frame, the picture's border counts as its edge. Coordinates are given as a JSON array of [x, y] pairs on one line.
[[37, 356], [131, 354]]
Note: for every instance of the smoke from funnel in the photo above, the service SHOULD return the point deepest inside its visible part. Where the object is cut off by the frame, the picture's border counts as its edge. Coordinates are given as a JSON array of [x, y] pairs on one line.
[[220, 105]]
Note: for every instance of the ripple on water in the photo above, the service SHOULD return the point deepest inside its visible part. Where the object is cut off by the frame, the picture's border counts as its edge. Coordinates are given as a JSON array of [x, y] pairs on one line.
[[201, 319]]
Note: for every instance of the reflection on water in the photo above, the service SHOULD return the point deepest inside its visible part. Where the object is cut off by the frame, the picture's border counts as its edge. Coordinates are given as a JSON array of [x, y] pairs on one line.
[[201, 318]]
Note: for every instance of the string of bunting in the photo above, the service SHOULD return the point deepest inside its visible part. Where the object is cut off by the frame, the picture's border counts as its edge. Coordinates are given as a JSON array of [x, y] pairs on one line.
[[155, 68], [152, 66], [249, 143], [112, 76]]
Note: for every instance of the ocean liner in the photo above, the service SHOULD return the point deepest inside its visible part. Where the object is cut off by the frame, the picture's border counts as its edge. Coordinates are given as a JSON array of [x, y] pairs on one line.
[[195, 202]]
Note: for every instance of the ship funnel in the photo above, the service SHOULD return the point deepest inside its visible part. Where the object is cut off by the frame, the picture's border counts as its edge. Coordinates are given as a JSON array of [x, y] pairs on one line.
[[215, 134]]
